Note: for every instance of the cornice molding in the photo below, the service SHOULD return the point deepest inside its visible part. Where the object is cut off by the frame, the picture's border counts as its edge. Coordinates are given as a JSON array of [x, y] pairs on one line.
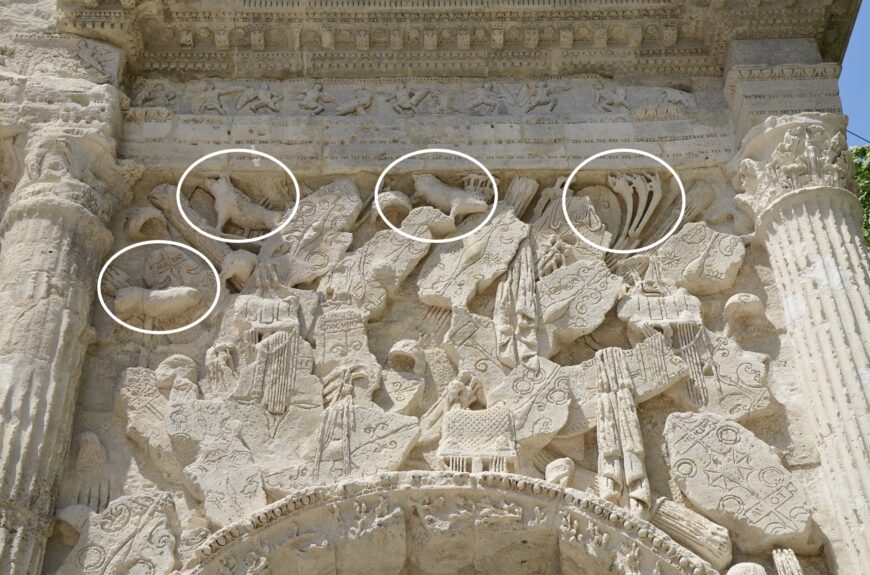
[[824, 71], [345, 38]]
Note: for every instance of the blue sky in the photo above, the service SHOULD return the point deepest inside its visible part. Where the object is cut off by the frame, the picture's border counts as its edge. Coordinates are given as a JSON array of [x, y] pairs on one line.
[[855, 78]]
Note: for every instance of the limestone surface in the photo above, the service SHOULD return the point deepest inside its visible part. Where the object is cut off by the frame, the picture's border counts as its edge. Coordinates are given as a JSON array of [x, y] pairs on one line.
[[244, 332]]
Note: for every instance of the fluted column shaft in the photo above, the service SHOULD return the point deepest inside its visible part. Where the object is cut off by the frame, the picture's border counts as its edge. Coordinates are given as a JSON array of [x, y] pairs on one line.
[[798, 172], [59, 121], [822, 270], [50, 256]]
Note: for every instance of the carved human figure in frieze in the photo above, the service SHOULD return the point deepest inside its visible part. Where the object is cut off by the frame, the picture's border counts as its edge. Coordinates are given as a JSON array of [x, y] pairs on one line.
[[441, 514], [498, 513], [72, 162], [610, 98], [627, 561], [90, 56], [314, 99], [485, 99], [257, 99], [405, 100], [357, 104], [211, 100], [153, 94], [541, 95], [48, 161], [221, 372], [595, 540]]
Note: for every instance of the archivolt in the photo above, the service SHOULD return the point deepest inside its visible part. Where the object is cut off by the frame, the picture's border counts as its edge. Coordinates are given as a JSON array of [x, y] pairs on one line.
[[444, 523]]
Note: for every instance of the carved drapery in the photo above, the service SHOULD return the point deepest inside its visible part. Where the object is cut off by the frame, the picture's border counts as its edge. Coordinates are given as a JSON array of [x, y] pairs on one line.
[[798, 178]]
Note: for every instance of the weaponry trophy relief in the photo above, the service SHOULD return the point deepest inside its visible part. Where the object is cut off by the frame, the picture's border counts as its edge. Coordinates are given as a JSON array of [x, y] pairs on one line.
[[525, 353], [432, 287]]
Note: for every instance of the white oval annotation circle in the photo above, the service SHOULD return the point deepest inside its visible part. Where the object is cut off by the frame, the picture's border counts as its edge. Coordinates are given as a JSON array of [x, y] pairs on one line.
[[217, 290], [585, 163], [436, 151], [207, 157]]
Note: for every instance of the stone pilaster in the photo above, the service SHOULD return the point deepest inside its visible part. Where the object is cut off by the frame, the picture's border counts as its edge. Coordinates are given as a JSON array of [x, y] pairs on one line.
[[799, 183]]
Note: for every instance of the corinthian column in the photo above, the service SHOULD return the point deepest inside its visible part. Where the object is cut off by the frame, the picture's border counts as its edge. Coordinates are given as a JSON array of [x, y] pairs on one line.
[[54, 241], [800, 186]]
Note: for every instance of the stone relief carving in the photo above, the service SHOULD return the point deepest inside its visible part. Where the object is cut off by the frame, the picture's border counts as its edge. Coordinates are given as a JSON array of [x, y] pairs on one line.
[[806, 154], [516, 402], [490, 98], [287, 392], [134, 534], [527, 363], [737, 480], [172, 288]]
